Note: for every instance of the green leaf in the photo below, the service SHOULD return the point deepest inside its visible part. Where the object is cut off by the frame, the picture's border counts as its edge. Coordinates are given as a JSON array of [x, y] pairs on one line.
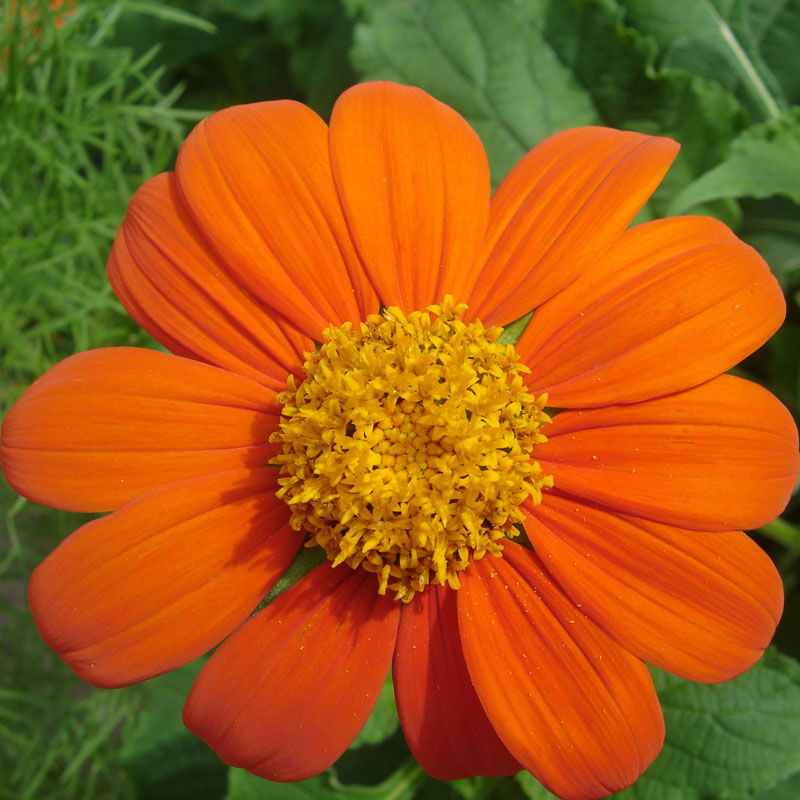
[[169, 14], [785, 790], [400, 785], [488, 60], [773, 227], [748, 46], [532, 788], [306, 559], [764, 160], [382, 722], [728, 741], [520, 71], [785, 533], [784, 365], [479, 788], [515, 329], [723, 742], [163, 760], [244, 786], [317, 35]]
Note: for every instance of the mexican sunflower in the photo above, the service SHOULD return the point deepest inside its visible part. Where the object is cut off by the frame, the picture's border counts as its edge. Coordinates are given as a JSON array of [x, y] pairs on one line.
[[513, 529]]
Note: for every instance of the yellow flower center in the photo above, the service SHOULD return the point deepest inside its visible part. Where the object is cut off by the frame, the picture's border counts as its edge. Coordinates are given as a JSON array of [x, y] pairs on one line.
[[407, 448]]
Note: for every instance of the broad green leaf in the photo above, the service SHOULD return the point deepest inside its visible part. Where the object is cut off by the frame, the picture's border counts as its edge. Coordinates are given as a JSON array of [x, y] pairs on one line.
[[723, 742], [520, 71], [764, 160], [773, 227], [748, 46], [382, 722], [786, 790], [489, 60], [163, 760], [728, 741]]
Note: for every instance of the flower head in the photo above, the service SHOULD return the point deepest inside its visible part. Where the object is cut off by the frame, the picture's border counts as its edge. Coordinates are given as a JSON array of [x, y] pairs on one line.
[[515, 529]]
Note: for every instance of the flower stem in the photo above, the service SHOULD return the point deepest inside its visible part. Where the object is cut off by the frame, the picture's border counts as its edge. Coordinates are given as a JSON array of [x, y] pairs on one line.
[[402, 784]]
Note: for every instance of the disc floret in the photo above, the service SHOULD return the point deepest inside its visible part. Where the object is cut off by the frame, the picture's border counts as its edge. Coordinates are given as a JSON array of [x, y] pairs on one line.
[[407, 448]]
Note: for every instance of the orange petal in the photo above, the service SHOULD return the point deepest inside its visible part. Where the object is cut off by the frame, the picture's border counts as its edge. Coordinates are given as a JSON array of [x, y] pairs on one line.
[[558, 209], [701, 605], [180, 293], [288, 692], [570, 704], [719, 457], [161, 581], [104, 426], [443, 721], [257, 181], [413, 180], [639, 324]]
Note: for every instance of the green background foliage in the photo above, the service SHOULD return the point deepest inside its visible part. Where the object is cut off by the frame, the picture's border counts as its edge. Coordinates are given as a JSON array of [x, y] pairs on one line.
[[96, 104]]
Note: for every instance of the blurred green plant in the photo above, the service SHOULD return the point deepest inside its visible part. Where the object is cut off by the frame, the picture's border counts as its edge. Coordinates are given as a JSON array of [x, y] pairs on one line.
[[82, 125], [88, 112]]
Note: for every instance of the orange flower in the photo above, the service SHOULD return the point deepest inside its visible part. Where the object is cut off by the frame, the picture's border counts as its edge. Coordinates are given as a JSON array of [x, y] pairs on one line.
[[410, 444]]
